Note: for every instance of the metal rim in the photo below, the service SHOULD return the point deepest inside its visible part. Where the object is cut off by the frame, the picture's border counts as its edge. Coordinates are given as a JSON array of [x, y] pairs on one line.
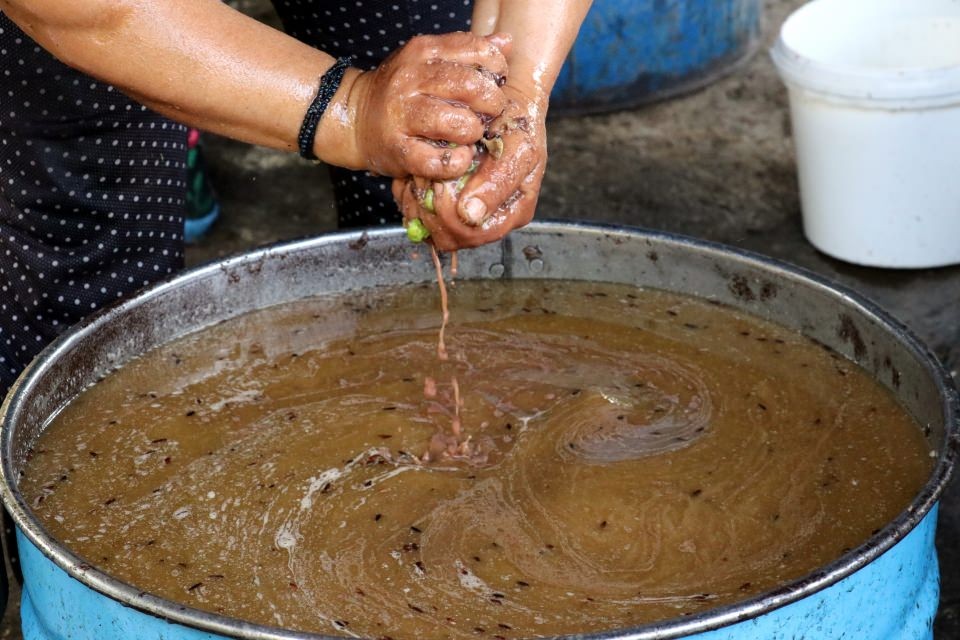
[[708, 620]]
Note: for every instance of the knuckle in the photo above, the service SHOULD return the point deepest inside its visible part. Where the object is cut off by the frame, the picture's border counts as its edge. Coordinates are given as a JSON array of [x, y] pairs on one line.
[[432, 166], [470, 127]]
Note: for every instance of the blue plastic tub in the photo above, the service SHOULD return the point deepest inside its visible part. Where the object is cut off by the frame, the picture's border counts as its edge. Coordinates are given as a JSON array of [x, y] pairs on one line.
[[887, 588], [630, 52]]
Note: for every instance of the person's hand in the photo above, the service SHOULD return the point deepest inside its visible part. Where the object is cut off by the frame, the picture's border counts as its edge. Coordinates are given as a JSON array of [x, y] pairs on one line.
[[498, 195], [502, 194], [422, 109]]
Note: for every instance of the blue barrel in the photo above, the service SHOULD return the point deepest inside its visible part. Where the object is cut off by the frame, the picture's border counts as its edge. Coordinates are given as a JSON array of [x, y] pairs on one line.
[[630, 52]]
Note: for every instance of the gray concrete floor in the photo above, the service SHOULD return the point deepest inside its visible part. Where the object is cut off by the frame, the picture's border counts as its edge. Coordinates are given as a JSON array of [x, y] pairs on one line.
[[716, 164]]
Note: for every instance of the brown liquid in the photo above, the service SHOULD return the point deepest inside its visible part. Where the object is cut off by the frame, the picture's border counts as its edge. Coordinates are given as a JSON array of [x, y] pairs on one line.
[[646, 456], [450, 446], [444, 306]]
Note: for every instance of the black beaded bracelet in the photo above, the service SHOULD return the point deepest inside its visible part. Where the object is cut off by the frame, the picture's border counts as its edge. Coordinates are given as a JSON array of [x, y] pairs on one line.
[[329, 83]]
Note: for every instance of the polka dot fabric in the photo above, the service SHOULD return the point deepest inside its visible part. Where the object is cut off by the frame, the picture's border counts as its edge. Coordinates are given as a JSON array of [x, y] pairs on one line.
[[368, 30], [92, 185], [92, 190]]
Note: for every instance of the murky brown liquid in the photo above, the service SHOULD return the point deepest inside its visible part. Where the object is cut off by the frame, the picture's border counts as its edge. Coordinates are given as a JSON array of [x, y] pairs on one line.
[[647, 456]]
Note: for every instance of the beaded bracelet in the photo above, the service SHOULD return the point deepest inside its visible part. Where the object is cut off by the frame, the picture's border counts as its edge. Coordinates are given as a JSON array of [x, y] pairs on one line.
[[329, 83]]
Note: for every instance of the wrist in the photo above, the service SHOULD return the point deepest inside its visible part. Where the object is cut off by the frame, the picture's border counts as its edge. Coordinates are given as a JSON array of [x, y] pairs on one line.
[[530, 97], [336, 142], [532, 82]]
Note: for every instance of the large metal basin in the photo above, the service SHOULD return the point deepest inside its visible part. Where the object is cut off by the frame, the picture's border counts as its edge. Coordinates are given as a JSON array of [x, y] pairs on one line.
[[886, 588]]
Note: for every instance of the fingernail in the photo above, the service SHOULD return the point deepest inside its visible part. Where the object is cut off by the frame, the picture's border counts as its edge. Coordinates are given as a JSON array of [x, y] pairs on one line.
[[474, 210]]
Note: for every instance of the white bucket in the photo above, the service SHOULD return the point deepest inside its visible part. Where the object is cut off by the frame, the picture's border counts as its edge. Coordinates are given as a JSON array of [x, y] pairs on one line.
[[875, 103]]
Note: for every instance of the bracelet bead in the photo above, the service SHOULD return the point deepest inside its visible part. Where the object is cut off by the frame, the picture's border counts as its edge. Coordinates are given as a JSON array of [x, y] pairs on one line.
[[329, 83]]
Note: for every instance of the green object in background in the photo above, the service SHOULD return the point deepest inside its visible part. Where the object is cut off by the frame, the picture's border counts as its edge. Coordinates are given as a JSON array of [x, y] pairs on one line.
[[202, 206]]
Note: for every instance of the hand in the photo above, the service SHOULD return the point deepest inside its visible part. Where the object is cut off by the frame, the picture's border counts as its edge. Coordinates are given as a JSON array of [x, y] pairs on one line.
[[499, 196], [422, 109]]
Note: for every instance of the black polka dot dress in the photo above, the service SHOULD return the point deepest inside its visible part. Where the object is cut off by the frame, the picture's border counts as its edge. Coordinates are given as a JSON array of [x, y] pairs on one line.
[[92, 184], [368, 30], [92, 189]]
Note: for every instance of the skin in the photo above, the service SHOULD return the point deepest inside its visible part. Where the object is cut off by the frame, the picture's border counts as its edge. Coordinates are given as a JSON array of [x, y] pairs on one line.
[[502, 194], [205, 64]]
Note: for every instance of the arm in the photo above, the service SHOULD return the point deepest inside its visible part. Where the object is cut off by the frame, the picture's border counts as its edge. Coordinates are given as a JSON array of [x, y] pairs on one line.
[[502, 194], [543, 32], [202, 63]]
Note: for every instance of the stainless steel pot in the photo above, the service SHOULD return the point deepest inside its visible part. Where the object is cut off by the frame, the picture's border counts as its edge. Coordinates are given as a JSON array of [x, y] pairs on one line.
[[886, 588]]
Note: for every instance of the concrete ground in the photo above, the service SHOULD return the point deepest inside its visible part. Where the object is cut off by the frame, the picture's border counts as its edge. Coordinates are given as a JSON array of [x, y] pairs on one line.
[[717, 164]]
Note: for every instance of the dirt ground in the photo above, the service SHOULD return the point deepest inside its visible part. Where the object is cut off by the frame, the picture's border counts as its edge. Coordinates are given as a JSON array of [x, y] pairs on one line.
[[715, 164]]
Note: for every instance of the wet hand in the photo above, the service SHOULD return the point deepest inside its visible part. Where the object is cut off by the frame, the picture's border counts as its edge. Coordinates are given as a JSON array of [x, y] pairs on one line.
[[499, 191], [422, 109]]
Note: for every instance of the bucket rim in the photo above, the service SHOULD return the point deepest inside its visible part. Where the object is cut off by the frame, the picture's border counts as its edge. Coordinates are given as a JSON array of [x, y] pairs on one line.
[[821, 578], [883, 88]]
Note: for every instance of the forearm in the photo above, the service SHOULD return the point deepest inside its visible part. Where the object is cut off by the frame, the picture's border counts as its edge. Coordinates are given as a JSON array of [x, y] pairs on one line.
[[197, 61], [543, 32]]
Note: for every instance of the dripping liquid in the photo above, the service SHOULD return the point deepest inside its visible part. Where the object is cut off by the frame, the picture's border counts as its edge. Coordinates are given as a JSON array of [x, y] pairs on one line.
[[443, 445]]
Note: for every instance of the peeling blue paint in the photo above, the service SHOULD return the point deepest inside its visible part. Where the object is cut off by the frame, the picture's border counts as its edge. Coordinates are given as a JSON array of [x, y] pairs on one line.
[[634, 51]]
